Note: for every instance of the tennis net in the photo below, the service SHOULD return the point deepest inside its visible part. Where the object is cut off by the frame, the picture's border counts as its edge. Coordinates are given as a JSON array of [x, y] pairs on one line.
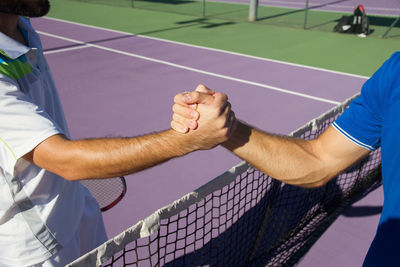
[[241, 218]]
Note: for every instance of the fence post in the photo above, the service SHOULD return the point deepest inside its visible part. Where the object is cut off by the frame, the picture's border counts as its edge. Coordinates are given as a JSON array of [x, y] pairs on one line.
[[253, 10], [306, 15], [390, 27]]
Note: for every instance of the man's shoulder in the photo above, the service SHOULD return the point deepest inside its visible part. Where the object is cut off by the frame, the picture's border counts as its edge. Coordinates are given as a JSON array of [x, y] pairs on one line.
[[392, 65], [385, 81], [395, 56]]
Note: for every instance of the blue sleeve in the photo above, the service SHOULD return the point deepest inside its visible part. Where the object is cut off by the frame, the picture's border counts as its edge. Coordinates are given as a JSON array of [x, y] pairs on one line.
[[362, 121]]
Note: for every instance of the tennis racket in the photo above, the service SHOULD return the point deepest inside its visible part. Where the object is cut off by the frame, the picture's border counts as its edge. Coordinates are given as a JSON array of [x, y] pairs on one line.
[[108, 192]]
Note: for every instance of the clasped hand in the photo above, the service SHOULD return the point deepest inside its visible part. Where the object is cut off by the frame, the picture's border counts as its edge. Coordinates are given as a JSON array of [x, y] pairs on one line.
[[204, 115]]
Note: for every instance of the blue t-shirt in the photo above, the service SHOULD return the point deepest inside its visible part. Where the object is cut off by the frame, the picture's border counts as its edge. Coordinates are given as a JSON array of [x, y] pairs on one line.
[[373, 120]]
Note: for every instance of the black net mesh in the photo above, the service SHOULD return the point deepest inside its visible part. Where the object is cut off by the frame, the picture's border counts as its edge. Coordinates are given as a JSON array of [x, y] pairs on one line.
[[252, 221]]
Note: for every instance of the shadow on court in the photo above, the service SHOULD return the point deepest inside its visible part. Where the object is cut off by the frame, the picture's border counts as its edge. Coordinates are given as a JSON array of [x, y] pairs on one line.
[[89, 42], [383, 21], [202, 22], [362, 211], [205, 22]]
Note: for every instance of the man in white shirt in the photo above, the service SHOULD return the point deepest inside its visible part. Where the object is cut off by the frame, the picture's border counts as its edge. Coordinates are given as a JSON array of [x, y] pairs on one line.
[[47, 218]]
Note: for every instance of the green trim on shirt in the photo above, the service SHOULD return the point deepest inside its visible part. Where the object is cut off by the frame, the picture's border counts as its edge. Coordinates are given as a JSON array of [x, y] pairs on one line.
[[9, 148], [14, 69], [3, 53]]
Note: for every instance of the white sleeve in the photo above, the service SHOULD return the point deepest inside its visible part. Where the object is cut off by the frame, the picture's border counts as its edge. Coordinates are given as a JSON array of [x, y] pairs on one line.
[[23, 125]]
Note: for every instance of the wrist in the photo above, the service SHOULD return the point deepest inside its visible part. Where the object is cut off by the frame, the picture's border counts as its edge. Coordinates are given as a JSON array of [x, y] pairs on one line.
[[182, 142], [240, 136]]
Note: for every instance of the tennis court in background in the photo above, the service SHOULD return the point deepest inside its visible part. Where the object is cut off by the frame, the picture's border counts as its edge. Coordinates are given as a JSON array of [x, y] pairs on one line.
[[317, 15], [117, 84]]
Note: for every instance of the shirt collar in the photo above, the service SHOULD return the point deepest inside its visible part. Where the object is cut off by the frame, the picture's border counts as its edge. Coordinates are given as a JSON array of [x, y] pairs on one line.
[[11, 48]]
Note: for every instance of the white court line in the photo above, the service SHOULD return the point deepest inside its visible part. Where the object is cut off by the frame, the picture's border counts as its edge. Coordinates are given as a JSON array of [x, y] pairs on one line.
[[214, 49], [193, 69], [66, 49]]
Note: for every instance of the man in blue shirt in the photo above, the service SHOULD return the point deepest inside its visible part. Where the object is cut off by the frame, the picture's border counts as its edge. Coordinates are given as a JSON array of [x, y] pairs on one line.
[[372, 120]]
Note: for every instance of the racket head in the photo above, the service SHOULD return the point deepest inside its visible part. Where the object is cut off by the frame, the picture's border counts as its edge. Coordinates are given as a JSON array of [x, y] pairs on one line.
[[107, 192]]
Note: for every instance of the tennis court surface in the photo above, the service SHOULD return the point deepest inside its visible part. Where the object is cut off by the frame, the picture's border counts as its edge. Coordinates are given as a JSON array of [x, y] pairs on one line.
[[316, 15], [113, 83]]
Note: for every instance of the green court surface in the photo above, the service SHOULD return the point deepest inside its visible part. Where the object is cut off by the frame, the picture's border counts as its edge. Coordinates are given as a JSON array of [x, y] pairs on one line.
[[316, 46]]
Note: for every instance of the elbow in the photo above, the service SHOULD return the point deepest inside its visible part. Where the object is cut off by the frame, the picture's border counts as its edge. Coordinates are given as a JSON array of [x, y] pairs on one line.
[[303, 184], [316, 184], [60, 156], [70, 176], [67, 172], [311, 180]]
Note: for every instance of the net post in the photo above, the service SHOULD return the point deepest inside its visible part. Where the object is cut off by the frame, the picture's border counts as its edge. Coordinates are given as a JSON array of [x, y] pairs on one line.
[[306, 15], [390, 27], [253, 10], [204, 8], [132, 4]]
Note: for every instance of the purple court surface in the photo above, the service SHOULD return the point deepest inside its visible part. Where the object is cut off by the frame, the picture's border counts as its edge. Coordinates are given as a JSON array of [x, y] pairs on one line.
[[117, 84]]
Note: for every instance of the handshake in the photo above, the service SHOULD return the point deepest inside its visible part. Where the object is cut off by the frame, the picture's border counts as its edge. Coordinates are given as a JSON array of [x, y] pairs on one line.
[[204, 116]]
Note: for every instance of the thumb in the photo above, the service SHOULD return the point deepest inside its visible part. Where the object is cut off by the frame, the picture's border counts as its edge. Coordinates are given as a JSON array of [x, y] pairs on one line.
[[204, 89], [192, 98], [202, 98]]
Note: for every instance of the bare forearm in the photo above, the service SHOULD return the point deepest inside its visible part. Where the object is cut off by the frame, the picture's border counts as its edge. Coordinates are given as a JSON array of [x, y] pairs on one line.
[[305, 163], [110, 157], [288, 159]]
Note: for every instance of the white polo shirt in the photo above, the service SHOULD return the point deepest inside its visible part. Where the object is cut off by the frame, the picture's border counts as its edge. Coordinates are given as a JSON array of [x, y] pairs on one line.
[[39, 211]]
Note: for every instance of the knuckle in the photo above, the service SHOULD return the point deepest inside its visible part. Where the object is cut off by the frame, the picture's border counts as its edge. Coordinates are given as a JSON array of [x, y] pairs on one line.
[[178, 127], [201, 87], [194, 115], [175, 108], [224, 132], [181, 110], [174, 126], [224, 97], [195, 95], [177, 98], [221, 124], [176, 117]]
